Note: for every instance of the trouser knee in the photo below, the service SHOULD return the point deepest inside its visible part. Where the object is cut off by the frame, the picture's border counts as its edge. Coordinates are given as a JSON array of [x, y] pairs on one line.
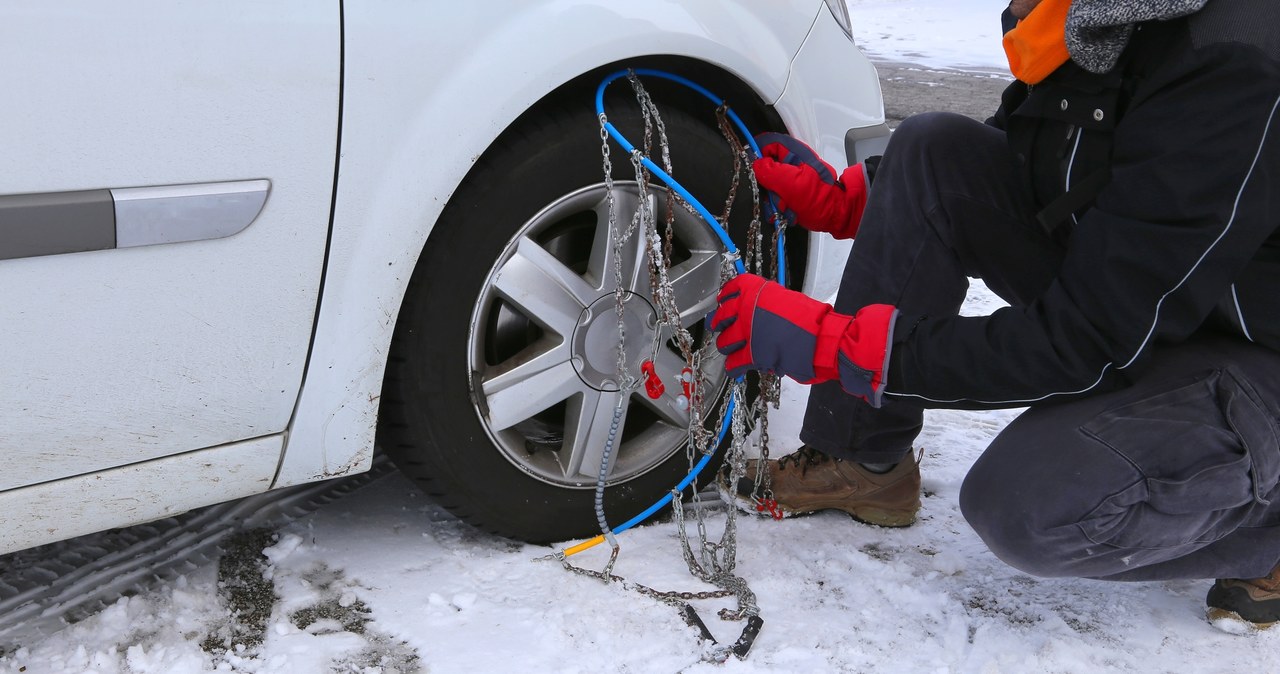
[[1033, 493], [1004, 513], [930, 135], [1171, 477]]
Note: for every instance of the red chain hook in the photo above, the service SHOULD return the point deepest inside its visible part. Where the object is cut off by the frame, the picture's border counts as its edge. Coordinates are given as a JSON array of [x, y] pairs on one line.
[[652, 384]]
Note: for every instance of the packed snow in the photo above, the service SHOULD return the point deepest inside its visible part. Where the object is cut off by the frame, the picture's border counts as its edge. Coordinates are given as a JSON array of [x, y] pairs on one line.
[[384, 581]]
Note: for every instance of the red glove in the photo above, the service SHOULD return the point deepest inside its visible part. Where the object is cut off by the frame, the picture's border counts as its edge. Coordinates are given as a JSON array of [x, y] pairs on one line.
[[764, 326], [807, 188]]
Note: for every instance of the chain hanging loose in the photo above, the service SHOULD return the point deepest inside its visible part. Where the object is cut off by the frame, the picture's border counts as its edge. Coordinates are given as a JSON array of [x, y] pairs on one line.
[[770, 392], [713, 562]]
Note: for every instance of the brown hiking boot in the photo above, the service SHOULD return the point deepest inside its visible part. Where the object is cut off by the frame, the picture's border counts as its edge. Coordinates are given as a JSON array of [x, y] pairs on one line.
[[808, 481], [1240, 605]]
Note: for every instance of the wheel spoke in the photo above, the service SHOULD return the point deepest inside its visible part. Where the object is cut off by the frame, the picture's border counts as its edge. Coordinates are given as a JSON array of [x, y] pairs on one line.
[[548, 292], [694, 232], [601, 264], [530, 387], [695, 284], [587, 431]]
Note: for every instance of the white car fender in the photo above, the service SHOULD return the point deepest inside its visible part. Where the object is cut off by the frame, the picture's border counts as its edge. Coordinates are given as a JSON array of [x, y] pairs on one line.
[[827, 96]]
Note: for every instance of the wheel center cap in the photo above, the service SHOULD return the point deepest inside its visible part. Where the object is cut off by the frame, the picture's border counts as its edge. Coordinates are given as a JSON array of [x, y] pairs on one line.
[[595, 339]]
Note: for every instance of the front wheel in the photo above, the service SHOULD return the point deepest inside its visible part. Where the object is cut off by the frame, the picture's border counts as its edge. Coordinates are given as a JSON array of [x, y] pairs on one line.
[[502, 386]]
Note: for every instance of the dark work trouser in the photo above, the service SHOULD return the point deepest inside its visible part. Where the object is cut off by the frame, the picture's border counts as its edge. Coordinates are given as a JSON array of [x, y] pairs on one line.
[[1173, 477]]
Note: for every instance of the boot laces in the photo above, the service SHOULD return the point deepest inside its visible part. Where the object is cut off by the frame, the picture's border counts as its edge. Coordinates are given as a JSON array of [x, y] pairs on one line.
[[1269, 582], [803, 458]]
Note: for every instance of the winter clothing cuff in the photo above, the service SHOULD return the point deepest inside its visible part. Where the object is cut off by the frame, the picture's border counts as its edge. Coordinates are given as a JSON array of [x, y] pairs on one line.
[[855, 191], [826, 352]]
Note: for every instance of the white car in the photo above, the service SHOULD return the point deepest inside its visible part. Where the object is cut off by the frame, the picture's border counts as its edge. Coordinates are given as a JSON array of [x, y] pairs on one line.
[[245, 242]]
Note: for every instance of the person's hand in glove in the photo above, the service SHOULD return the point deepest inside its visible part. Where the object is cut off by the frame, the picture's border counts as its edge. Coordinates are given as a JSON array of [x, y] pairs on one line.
[[764, 326], [807, 188]]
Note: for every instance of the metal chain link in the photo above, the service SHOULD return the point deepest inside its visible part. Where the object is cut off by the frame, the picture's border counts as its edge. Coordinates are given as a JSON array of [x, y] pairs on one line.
[[770, 385], [625, 380], [715, 562]]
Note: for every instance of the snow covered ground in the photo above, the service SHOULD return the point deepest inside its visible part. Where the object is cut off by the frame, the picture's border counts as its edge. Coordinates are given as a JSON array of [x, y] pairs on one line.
[[951, 34], [383, 581]]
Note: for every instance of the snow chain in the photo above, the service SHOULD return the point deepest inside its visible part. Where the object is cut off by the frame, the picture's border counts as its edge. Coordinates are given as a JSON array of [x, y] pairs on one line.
[[713, 562]]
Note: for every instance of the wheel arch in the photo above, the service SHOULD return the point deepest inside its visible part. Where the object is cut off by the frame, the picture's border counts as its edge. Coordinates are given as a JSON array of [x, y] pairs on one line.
[[758, 114]]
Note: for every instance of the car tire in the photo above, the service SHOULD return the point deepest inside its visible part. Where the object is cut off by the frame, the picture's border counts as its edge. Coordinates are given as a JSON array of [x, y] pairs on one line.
[[525, 222]]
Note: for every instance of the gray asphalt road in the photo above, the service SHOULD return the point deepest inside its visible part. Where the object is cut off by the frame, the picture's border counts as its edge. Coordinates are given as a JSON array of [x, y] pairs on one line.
[[909, 89]]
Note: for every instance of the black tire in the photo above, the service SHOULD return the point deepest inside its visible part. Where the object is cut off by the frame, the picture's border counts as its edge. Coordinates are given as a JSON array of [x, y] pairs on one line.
[[433, 424]]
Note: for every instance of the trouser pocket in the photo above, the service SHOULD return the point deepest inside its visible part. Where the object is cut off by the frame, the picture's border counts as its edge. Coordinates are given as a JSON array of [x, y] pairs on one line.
[[1206, 453]]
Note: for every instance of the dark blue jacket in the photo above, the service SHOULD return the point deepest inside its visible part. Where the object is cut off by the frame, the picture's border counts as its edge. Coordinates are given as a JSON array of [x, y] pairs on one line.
[[1171, 230]]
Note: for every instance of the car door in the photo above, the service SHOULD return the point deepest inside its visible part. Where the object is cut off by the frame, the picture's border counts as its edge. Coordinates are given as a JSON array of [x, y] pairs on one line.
[[166, 178]]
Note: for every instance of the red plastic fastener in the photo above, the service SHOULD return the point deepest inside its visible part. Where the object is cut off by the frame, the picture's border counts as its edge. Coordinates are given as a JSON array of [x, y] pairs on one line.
[[652, 384], [771, 506], [686, 382]]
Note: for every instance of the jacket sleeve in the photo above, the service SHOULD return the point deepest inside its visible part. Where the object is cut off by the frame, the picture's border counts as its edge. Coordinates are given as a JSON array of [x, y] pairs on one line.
[[1193, 195]]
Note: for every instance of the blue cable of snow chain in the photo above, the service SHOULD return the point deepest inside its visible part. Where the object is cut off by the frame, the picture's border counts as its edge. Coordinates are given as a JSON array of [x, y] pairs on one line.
[[671, 182], [715, 227]]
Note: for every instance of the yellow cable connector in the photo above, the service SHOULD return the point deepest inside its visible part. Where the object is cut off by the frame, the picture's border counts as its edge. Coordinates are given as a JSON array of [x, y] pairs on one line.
[[583, 546]]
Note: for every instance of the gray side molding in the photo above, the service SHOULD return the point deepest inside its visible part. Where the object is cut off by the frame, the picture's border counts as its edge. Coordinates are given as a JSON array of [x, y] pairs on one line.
[[32, 225], [54, 223]]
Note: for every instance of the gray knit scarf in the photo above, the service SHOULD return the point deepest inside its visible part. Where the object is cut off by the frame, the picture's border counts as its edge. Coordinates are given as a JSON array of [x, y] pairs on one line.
[[1098, 30]]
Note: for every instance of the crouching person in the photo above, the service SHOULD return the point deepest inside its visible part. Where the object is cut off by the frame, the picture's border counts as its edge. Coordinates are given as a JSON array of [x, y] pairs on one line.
[[1124, 200]]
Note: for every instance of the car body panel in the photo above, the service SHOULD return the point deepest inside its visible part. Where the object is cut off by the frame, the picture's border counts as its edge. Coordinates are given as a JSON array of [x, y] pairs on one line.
[[832, 89], [140, 492], [118, 356]]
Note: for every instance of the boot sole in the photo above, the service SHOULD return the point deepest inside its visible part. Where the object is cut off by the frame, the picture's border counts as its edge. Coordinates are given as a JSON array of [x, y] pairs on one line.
[[1231, 622], [880, 517], [883, 518]]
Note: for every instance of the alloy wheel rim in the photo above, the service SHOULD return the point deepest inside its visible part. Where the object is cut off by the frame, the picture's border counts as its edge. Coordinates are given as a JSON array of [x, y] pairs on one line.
[[543, 340]]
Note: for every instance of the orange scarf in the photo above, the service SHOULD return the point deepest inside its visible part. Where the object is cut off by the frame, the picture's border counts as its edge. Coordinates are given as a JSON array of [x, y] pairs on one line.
[[1038, 44]]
